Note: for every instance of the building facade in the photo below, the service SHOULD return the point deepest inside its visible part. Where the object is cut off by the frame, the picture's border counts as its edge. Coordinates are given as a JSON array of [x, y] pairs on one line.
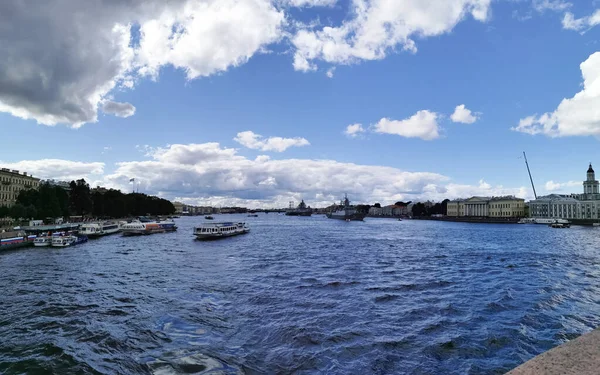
[[11, 184], [584, 206], [508, 207]]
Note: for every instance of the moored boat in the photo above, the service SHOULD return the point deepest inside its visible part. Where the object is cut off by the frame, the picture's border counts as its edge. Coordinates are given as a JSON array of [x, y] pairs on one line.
[[63, 239], [208, 217], [102, 228], [16, 242], [347, 212], [43, 240], [209, 231], [541, 220], [143, 226]]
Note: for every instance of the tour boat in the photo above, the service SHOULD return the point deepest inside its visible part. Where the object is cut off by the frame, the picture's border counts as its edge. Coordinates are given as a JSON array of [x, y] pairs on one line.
[[209, 231], [144, 226], [99, 229], [560, 225], [209, 217], [43, 240], [67, 239], [542, 220]]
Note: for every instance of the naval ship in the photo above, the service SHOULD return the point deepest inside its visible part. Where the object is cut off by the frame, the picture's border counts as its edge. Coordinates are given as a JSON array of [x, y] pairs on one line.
[[347, 212], [301, 210]]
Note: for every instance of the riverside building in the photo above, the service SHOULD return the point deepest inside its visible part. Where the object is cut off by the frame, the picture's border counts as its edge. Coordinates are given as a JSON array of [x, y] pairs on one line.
[[11, 184], [495, 207], [584, 206]]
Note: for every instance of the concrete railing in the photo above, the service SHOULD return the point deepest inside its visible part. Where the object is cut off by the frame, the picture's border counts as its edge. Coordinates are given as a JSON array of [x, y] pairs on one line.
[[580, 356]]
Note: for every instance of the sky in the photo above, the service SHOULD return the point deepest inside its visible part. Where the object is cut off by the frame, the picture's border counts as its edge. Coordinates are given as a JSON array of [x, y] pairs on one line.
[[263, 102]]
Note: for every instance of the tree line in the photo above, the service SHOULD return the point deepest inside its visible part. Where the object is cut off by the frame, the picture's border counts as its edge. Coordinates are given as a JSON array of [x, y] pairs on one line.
[[420, 209], [50, 201]]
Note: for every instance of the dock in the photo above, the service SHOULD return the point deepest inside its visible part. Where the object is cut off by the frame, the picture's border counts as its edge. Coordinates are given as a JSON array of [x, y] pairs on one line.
[[50, 228]]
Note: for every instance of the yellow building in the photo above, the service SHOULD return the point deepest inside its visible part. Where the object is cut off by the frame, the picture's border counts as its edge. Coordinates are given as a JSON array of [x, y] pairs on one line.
[[455, 208], [506, 207], [12, 182]]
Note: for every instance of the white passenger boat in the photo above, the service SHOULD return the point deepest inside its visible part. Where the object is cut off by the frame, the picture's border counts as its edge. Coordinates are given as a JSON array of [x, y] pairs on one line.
[[144, 226], [540, 220], [209, 231], [45, 239], [63, 239], [99, 229]]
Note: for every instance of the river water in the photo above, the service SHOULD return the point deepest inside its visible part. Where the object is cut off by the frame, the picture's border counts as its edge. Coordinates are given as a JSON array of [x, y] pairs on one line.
[[300, 295]]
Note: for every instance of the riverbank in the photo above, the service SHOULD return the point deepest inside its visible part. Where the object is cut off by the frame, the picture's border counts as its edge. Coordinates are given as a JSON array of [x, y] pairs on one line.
[[470, 219], [580, 356]]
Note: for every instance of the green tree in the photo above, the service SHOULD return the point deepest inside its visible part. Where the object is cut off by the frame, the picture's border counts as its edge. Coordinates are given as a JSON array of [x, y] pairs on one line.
[[31, 212], [17, 211], [81, 200], [4, 212]]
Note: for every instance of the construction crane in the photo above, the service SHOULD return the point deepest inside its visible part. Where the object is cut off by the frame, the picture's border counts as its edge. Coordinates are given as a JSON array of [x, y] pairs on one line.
[[530, 178]]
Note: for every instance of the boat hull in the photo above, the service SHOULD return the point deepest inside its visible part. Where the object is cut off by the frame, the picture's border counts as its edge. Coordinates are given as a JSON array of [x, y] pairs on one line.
[[291, 213], [352, 217], [216, 236], [102, 234], [14, 243]]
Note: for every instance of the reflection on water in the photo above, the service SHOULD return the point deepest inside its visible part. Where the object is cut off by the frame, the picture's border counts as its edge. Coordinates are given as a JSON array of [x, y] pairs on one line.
[[300, 295]]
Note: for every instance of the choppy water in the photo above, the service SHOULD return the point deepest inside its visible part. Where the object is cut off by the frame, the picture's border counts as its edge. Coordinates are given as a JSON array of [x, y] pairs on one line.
[[303, 296]]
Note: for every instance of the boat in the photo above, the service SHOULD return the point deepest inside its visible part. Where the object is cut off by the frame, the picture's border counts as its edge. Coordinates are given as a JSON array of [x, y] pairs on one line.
[[65, 239], [143, 226], [208, 217], [43, 240], [347, 212], [541, 220], [99, 229], [301, 210], [210, 231], [15, 242], [253, 215], [560, 225]]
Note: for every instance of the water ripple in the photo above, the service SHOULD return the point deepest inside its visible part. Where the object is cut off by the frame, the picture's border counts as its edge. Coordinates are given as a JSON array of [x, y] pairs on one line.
[[300, 295]]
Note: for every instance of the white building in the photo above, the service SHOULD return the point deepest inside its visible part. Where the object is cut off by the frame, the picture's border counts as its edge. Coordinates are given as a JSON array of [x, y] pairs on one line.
[[574, 206]]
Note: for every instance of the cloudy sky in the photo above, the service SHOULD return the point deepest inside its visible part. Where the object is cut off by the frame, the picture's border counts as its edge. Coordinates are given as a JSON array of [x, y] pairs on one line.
[[259, 102]]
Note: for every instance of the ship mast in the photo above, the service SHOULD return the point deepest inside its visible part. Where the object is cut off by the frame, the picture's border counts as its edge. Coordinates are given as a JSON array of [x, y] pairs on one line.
[[530, 178]]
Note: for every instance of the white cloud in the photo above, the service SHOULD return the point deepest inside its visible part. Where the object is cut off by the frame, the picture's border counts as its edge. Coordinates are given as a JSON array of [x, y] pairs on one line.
[[62, 58], [354, 130], [195, 174], [258, 142], [583, 24], [463, 115], [206, 37], [577, 116], [379, 26], [56, 168], [422, 124], [552, 186], [312, 3], [330, 72], [554, 5], [118, 109]]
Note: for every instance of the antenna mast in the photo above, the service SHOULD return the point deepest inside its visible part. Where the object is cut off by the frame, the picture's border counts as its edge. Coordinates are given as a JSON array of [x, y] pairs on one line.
[[530, 178]]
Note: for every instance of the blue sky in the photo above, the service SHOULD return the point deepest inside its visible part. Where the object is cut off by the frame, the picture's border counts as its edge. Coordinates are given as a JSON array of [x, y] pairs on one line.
[[520, 59]]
